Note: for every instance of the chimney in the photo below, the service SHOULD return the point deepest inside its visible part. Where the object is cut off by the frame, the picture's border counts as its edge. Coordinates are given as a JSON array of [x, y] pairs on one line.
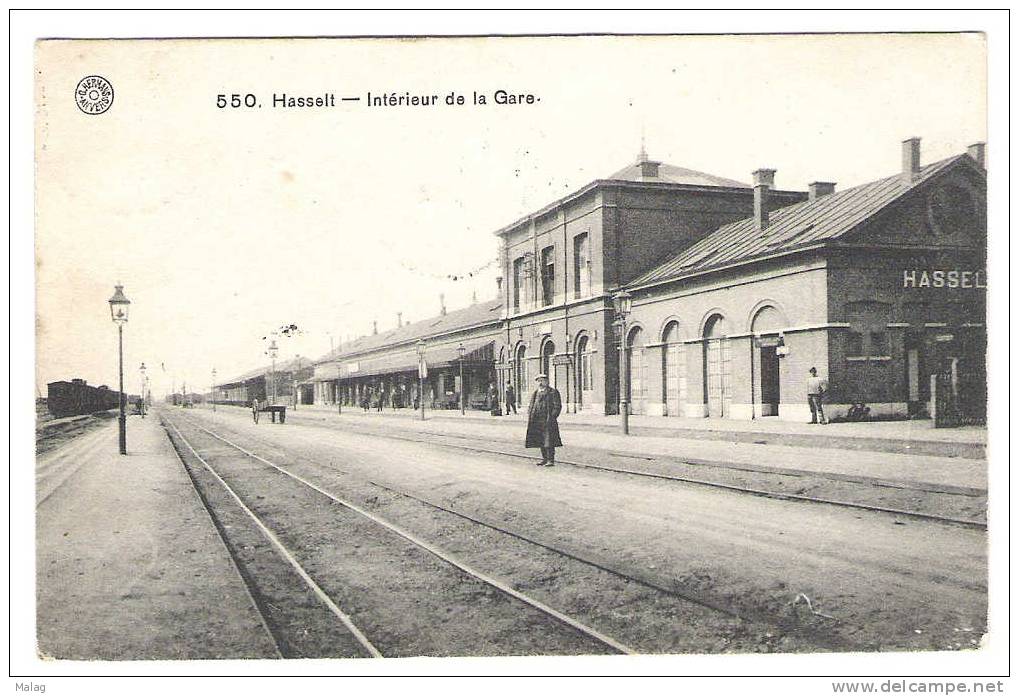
[[977, 151], [498, 285], [399, 319], [764, 179], [442, 304], [649, 170], [910, 160], [375, 327], [818, 189]]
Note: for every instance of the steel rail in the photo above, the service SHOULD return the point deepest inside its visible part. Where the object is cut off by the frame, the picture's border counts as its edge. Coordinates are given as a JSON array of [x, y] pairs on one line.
[[445, 556], [833, 642], [283, 551], [234, 561]]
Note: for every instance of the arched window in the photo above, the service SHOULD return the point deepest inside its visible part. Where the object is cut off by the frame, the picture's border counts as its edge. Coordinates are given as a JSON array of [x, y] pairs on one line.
[[673, 370], [637, 370], [547, 351], [717, 375], [767, 320], [520, 372]]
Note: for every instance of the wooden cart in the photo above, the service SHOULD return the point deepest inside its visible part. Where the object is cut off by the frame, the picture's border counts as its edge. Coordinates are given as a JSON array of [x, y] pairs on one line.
[[272, 409]]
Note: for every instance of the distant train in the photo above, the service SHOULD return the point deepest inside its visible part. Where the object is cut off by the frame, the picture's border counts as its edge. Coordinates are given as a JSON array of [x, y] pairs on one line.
[[76, 398]]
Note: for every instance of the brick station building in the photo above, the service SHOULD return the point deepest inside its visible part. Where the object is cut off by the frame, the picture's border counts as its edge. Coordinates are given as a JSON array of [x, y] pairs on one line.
[[878, 286], [737, 290]]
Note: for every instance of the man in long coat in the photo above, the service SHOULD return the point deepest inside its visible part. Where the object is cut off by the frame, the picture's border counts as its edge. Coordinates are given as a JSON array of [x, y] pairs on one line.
[[542, 423]]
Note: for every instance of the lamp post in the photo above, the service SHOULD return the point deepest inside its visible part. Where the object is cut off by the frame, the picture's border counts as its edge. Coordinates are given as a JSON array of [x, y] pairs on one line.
[[622, 301], [463, 392], [273, 351], [213, 389], [141, 407], [119, 306], [422, 373]]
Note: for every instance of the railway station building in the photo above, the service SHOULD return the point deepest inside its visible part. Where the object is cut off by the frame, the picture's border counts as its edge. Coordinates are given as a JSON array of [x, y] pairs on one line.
[[878, 286], [458, 352], [737, 291], [280, 382]]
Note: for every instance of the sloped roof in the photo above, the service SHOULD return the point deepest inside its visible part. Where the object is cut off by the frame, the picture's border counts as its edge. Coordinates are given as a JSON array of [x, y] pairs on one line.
[[671, 174], [291, 365], [795, 226], [480, 313], [632, 173]]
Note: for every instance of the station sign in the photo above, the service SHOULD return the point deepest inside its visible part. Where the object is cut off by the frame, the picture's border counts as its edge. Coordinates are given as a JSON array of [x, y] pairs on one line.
[[966, 279]]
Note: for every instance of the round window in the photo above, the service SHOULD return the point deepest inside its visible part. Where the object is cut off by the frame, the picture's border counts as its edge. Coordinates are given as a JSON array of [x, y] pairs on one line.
[[952, 209]]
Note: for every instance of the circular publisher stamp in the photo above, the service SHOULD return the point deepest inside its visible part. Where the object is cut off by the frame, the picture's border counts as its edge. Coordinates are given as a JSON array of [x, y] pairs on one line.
[[94, 95]]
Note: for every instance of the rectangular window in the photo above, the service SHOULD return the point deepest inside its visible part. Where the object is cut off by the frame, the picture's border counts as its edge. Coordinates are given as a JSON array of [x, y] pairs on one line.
[[581, 266], [854, 344], [878, 344], [547, 275], [518, 281]]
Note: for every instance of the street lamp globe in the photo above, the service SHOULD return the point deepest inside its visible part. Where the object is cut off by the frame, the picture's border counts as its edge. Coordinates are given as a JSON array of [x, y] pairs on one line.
[[119, 305], [622, 301], [461, 351], [421, 346]]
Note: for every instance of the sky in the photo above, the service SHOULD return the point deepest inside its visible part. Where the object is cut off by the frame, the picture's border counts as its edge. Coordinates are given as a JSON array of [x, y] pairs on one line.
[[225, 224]]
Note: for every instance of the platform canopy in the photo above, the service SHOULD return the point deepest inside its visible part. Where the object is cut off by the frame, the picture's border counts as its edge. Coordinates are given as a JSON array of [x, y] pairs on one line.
[[476, 352]]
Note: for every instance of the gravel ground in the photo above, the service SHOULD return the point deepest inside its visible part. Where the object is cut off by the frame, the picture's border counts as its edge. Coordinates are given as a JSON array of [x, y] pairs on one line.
[[887, 583], [128, 565], [51, 434], [408, 602], [968, 504]]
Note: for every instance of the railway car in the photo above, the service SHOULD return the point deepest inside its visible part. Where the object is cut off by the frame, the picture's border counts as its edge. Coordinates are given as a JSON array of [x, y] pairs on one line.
[[76, 398]]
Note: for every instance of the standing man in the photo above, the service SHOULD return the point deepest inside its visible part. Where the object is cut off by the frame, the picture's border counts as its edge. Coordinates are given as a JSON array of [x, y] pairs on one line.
[[816, 387], [493, 400], [542, 423], [511, 398]]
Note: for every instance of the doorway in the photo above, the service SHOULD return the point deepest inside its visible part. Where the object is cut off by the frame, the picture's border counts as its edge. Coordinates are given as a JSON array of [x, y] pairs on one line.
[[917, 387], [770, 396]]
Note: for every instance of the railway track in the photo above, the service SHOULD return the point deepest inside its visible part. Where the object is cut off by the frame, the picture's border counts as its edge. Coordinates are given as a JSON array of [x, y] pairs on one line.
[[416, 436], [817, 633], [459, 578]]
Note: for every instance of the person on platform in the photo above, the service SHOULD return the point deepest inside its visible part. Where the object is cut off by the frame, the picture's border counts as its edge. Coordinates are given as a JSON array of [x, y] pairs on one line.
[[493, 400], [542, 420], [816, 387], [511, 398]]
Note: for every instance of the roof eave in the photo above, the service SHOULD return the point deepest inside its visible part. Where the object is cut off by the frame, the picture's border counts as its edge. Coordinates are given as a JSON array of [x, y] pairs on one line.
[[729, 266], [407, 342], [622, 183]]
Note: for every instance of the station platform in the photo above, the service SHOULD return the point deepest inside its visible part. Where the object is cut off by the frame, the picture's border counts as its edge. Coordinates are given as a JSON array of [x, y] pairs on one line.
[[904, 436], [891, 461], [129, 565]]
